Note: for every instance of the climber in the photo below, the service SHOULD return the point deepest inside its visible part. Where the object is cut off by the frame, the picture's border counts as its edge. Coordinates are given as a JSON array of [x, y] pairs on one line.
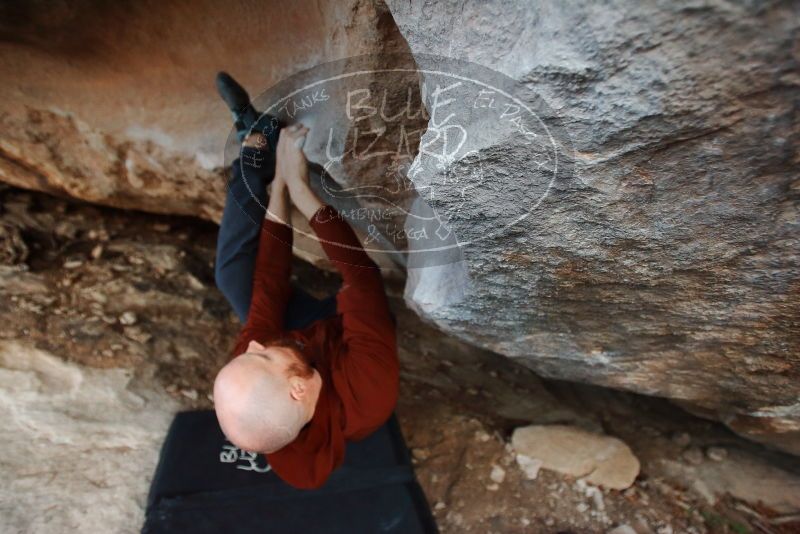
[[305, 374]]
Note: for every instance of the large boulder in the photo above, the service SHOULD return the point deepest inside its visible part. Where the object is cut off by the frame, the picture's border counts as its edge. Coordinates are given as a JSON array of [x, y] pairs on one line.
[[116, 103], [666, 260]]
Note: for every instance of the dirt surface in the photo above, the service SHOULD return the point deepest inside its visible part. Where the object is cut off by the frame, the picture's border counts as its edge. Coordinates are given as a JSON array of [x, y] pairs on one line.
[[114, 289]]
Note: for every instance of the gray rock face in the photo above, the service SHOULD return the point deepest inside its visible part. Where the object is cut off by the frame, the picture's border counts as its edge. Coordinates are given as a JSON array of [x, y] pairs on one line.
[[79, 444], [666, 261]]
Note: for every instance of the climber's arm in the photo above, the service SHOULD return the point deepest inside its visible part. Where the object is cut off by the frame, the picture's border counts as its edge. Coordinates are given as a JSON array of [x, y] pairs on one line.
[[366, 377], [271, 287], [367, 374]]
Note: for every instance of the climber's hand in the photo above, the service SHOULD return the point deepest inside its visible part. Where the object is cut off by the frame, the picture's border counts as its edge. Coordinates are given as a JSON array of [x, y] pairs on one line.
[[293, 166], [290, 163]]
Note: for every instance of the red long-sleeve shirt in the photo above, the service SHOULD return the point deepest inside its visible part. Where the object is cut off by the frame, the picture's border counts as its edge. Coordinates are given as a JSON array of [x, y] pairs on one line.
[[354, 351]]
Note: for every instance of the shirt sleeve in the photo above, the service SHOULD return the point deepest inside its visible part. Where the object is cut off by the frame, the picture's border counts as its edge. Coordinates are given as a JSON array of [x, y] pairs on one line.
[[271, 286], [366, 373]]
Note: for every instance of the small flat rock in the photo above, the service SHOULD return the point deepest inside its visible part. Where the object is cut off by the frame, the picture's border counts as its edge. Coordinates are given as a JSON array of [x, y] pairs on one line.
[[717, 454], [482, 436], [693, 455], [137, 334], [128, 318], [498, 474], [420, 453], [193, 282], [600, 459], [530, 466], [190, 394]]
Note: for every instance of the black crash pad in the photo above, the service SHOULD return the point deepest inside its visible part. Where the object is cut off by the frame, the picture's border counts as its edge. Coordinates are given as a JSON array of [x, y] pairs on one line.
[[204, 484]]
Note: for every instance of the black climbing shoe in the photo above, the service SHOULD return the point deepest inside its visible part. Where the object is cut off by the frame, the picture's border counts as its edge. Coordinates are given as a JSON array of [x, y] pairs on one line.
[[245, 117], [232, 93], [238, 101]]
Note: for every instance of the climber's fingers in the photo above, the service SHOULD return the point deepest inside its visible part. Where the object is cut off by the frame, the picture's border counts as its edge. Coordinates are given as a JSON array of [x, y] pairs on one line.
[[296, 133]]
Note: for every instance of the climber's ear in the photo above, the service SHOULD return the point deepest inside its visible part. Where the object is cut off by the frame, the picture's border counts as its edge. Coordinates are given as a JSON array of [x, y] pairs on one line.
[[254, 345]]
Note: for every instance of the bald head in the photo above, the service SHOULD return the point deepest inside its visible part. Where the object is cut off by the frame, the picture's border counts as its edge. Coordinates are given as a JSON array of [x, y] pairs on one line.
[[257, 403]]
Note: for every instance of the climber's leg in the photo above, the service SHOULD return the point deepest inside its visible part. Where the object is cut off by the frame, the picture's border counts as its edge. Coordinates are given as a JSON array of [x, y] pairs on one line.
[[238, 101], [237, 242], [245, 207]]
